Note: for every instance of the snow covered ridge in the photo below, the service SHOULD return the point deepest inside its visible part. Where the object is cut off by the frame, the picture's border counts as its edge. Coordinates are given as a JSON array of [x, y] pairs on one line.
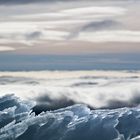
[[78, 122]]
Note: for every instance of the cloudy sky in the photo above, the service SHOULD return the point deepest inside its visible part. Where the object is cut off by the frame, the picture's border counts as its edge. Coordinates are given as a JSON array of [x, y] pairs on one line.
[[69, 26]]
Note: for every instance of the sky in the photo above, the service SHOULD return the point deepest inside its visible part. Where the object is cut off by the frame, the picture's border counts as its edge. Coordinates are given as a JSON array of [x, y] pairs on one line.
[[69, 27]]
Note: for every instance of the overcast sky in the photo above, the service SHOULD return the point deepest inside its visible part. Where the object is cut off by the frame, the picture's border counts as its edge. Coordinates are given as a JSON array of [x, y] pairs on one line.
[[69, 26]]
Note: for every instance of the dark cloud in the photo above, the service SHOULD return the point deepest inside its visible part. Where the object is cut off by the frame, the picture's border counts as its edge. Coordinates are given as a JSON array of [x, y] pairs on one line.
[[79, 84], [133, 102], [45, 103], [34, 35], [99, 25], [96, 26], [38, 1], [20, 1], [5, 2], [4, 80]]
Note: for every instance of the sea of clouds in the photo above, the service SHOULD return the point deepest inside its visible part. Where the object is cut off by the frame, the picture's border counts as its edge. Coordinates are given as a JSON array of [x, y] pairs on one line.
[[37, 105], [57, 89]]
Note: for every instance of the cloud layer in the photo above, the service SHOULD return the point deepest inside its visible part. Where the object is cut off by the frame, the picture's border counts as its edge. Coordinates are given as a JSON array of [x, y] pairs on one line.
[[69, 24], [53, 90]]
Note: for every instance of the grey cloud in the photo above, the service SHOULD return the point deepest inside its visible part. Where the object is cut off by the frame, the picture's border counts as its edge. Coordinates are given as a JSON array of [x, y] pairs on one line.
[[19, 1], [84, 84], [34, 35], [30, 35], [100, 25], [45, 103], [7, 2], [4, 80], [96, 26], [133, 102]]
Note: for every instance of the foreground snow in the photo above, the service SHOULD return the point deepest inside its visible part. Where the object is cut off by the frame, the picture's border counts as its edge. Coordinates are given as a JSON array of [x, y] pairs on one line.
[[76, 122]]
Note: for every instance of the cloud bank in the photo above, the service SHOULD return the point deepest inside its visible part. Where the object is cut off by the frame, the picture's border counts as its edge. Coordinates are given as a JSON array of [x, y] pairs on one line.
[[53, 90], [6, 48]]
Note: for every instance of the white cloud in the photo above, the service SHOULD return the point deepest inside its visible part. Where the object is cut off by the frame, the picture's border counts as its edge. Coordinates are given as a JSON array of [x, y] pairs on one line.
[[21, 32], [65, 22], [110, 36], [6, 48], [95, 10], [95, 88], [55, 25]]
